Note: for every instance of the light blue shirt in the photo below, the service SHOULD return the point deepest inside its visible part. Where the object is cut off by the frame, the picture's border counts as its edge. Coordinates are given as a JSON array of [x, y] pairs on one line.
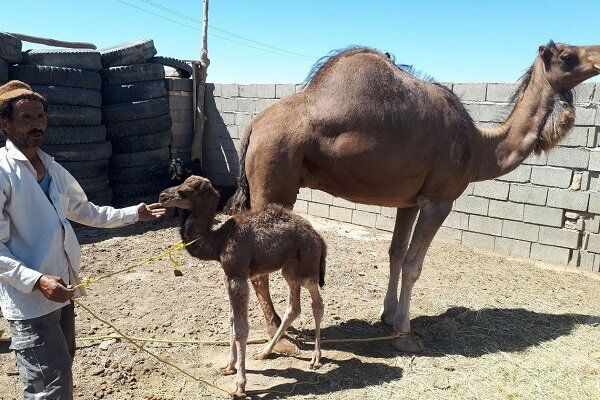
[[36, 237], [45, 184]]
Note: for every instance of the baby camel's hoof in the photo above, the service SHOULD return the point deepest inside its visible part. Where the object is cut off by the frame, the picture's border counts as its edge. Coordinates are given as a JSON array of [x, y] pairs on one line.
[[315, 362], [227, 370], [261, 356], [286, 348], [239, 395], [408, 344]]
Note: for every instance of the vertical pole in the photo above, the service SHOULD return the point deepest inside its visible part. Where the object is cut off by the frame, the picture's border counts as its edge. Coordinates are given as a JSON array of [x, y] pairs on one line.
[[199, 74]]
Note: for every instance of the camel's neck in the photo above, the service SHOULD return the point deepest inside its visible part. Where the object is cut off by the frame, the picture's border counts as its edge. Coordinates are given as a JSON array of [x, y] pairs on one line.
[[197, 226], [500, 150]]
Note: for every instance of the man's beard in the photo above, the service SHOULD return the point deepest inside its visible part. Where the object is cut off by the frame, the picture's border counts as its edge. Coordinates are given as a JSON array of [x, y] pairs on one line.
[[34, 138]]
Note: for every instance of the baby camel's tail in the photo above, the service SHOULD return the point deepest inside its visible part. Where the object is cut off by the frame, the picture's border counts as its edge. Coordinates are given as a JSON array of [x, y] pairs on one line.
[[322, 263]]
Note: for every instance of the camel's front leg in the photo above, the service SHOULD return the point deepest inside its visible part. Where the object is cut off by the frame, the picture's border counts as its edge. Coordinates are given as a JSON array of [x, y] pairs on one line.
[[405, 219], [229, 368], [431, 217], [238, 296]]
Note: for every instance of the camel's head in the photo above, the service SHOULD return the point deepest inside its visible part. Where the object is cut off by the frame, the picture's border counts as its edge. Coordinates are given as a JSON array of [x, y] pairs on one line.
[[195, 191], [567, 66]]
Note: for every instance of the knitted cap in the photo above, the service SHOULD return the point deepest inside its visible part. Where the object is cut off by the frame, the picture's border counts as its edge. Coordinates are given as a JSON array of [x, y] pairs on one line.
[[15, 89]]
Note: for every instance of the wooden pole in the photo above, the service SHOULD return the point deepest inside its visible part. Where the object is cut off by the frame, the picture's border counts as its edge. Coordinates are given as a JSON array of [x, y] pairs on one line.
[[199, 74]]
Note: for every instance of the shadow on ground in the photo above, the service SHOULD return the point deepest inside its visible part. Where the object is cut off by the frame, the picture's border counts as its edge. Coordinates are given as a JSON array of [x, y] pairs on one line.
[[348, 374], [461, 331]]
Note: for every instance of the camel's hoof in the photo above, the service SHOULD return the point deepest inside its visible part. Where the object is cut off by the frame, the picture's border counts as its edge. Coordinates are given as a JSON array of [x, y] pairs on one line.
[[227, 370], [315, 364], [408, 344], [239, 395], [261, 356], [286, 348], [387, 319]]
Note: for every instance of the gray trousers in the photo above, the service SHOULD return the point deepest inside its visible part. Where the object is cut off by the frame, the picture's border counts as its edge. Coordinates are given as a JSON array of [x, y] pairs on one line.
[[44, 349]]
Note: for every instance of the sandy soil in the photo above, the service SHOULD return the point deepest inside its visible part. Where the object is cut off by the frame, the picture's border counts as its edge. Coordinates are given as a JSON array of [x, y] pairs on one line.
[[494, 327]]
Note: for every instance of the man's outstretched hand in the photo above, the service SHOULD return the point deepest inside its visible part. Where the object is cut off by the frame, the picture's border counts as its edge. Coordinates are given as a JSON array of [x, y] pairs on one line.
[[150, 212], [54, 288]]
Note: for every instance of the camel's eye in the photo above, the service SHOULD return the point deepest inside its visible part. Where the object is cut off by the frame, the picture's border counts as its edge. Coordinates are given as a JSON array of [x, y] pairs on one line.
[[569, 59], [182, 193]]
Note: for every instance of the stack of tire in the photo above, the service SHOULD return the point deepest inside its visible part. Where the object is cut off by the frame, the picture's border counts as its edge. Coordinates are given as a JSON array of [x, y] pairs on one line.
[[10, 53], [69, 79], [136, 113]]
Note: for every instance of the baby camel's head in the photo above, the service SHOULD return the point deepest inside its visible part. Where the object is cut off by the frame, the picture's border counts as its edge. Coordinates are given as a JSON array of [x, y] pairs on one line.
[[194, 191]]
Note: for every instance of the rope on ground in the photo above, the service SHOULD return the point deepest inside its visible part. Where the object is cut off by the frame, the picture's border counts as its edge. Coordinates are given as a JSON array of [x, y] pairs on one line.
[[160, 359]]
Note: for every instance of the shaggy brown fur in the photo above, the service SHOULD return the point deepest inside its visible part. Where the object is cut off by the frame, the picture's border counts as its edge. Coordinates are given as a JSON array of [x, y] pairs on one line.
[[366, 131], [250, 244]]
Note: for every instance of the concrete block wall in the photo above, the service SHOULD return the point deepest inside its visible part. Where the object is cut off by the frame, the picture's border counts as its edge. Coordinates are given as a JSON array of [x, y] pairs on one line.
[[180, 92], [547, 209]]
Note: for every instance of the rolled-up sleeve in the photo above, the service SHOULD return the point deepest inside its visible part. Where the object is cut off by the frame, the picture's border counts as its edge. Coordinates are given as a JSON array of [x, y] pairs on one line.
[[81, 210], [12, 270]]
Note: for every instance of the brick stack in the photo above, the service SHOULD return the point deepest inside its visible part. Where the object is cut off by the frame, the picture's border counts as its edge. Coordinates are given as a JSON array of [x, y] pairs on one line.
[[180, 92]]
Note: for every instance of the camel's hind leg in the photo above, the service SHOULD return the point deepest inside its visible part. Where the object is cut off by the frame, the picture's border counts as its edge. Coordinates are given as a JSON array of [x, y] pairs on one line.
[[318, 309]]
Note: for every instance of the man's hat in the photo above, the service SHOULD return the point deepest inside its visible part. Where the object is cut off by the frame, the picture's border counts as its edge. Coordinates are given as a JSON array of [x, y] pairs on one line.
[[15, 89]]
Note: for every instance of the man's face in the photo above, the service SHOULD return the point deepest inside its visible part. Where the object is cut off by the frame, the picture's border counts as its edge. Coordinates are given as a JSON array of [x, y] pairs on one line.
[[25, 128]]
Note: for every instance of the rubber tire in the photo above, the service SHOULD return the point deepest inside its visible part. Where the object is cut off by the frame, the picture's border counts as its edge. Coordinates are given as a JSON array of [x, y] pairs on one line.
[[69, 96], [3, 71], [79, 152], [128, 160], [10, 48], [55, 76], [102, 198], [86, 59], [137, 52], [74, 134], [95, 184], [132, 73], [135, 110], [150, 172], [138, 189], [86, 169], [58, 115], [184, 70], [131, 92], [136, 144], [138, 127]]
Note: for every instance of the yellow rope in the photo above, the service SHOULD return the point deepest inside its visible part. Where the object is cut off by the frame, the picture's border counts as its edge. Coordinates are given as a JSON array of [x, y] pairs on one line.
[[160, 359]]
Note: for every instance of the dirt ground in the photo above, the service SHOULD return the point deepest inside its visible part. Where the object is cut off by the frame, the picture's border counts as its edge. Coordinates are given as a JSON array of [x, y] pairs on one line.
[[494, 327]]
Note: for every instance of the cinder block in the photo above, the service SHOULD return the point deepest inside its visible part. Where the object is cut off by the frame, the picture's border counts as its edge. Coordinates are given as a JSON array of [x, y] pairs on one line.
[[304, 194], [389, 212], [384, 223], [528, 194], [584, 93], [472, 205], [520, 230], [285, 89], [185, 85], [301, 206], [578, 137], [343, 203], [585, 115], [265, 91], [368, 208], [557, 255], [321, 197], [561, 198], [478, 240], [448, 235], [521, 174], [512, 247], [261, 104], [593, 133], [245, 105], [364, 218], [543, 215], [535, 159], [470, 91], [319, 210], [488, 112], [229, 105], [490, 226], [594, 206], [230, 90], [340, 214], [501, 92], [593, 243], [181, 103], [591, 223], [559, 237], [594, 160], [249, 91], [506, 210], [569, 157], [551, 176], [457, 220], [492, 189], [242, 119]]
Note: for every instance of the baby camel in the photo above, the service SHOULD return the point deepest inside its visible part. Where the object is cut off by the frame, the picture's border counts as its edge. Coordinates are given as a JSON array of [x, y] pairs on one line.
[[249, 244]]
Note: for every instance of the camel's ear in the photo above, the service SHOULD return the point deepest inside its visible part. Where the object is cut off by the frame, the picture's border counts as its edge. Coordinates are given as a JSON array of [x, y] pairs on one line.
[[545, 53]]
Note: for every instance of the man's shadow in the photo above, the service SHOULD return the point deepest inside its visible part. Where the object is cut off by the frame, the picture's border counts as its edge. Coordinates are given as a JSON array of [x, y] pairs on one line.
[[461, 331]]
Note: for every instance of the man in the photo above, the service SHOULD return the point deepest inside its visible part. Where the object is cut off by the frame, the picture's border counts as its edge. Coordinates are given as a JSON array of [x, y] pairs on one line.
[[39, 253]]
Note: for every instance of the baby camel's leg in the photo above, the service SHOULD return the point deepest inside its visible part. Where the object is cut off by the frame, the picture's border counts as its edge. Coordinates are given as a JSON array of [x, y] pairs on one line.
[[318, 308], [237, 288], [291, 313], [229, 368]]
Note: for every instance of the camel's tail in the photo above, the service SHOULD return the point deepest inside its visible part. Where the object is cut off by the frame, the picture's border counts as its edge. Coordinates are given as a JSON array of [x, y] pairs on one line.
[[322, 264], [241, 198]]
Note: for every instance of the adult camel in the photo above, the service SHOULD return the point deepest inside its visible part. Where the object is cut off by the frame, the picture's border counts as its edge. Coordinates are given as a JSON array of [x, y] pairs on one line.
[[367, 131]]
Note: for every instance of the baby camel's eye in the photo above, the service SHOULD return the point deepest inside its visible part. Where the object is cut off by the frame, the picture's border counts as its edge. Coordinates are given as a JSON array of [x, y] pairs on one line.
[[569, 59]]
